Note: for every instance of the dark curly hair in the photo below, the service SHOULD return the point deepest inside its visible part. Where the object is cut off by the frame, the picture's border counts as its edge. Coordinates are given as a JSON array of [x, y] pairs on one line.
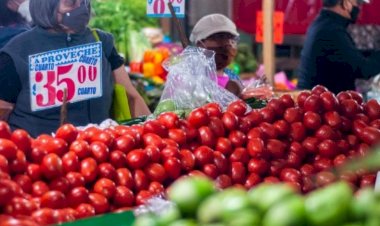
[[7, 16]]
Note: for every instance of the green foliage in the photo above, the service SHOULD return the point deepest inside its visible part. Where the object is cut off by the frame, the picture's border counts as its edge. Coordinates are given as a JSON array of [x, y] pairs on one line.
[[119, 17]]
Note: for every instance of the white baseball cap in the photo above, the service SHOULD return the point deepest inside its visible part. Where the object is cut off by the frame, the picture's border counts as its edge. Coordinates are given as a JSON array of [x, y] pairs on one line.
[[212, 24]]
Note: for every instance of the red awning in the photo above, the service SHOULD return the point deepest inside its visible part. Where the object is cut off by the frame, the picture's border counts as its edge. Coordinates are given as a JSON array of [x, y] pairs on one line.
[[298, 14]]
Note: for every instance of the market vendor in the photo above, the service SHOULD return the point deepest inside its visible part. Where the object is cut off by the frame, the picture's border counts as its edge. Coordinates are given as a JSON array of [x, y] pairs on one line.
[[62, 53], [329, 56], [218, 33]]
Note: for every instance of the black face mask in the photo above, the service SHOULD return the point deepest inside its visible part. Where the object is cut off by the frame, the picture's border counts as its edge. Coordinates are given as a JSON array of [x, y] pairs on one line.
[[77, 19], [354, 14]]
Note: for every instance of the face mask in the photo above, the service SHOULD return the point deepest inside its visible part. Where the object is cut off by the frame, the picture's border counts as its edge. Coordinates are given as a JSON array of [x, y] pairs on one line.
[[354, 14], [77, 19], [23, 10]]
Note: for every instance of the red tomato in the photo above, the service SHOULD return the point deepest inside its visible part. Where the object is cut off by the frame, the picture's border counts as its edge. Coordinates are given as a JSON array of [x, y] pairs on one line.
[[277, 106], [362, 117], [328, 149], [19, 164], [344, 95], [156, 188], [210, 170], [7, 148], [322, 164], [294, 159], [268, 130], [4, 166], [290, 175], [324, 178], [297, 131], [67, 132], [318, 90], [256, 133], [203, 155], [153, 152], [124, 178], [312, 120], [238, 172], [301, 98], [51, 166], [123, 197], [375, 123], [346, 124], [23, 140], [343, 146], [356, 96], [276, 148], [287, 101], [293, 114], [255, 117], [370, 135], [20, 206], [100, 151], [271, 180], [60, 184], [70, 162], [191, 132], [53, 199], [6, 192], [372, 109], [311, 144], [268, 114], [178, 135], [106, 170], [143, 196], [153, 139], [329, 101], [332, 119], [256, 148], [238, 107], [297, 148], [245, 124], [350, 108], [325, 132], [5, 130], [141, 181], [223, 181], [89, 169], [154, 126], [156, 172], [213, 110], [99, 202], [258, 166], [282, 127], [118, 159], [124, 143], [230, 121], [75, 179], [105, 187], [55, 145], [84, 210], [137, 131], [44, 216], [276, 166], [187, 160], [81, 148], [252, 180], [308, 184], [240, 155], [220, 162], [224, 146], [367, 181], [168, 119], [237, 138], [216, 126], [172, 167], [350, 177], [170, 143], [206, 136], [77, 196], [198, 117], [169, 152], [137, 159]]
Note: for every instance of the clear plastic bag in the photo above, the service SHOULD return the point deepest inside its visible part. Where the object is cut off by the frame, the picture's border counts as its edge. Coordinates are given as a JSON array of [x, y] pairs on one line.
[[257, 88], [370, 88], [156, 205], [192, 82]]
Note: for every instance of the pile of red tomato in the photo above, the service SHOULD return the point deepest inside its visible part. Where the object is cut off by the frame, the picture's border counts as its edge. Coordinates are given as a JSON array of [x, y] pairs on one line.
[[77, 174]]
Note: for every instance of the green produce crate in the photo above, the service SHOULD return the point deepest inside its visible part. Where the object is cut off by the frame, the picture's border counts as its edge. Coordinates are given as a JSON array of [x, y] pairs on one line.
[[113, 219]]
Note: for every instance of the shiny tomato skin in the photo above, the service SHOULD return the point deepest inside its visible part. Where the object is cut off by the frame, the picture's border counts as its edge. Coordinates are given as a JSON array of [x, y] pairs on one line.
[[24, 182], [293, 114], [67, 132], [224, 145], [223, 181], [172, 167], [153, 139], [310, 144], [277, 106], [106, 170], [156, 188], [84, 210], [221, 162], [5, 130], [178, 135], [213, 110], [328, 149], [77, 196], [217, 127], [307, 170], [4, 165], [142, 197], [168, 119], [19, 164], [75, 179], [124, 197], [137, 159], [81, 148], [276, 148], [240, 155], [51, 166], [230, 121], [70, 162], [210, 170], [20, 206], [290, 175], [297, 131], [198, 117], [282, 127], [155, 172], [302, 96], [268, 131], [312, 120], [287, 101], [252, 180], [89, 169], [349, 108], [238, 107], [154, 126], [268, 114], [100, 151], [124, 143], [23, 140], [256, 148], [206, 136], [105, 187], [53, 199], [237, 138], [141, 181], [258, 166], [187, 159], [61, 184], [118, 159], [99, 202], [329, 101], [372, 109], [203, 155], [124, 178], [238, 172], [7, 148]]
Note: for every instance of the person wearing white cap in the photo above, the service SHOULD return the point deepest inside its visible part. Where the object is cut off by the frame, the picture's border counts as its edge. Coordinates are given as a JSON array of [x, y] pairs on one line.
[[218, 33], [329, 56]]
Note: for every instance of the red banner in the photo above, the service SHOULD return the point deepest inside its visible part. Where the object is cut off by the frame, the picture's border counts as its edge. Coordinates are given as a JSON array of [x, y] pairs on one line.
[[298, 14]]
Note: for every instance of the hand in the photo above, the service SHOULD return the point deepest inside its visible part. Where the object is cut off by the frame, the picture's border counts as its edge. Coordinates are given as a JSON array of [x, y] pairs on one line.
[[14, 4]]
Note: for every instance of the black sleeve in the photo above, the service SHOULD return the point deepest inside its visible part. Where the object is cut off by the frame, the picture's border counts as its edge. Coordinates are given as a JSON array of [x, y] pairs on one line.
[[344, 51], [115, 59], [10, 84]]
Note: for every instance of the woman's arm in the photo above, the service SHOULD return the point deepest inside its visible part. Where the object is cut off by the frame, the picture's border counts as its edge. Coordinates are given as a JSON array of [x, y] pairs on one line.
[[5, 110], [136, 103]]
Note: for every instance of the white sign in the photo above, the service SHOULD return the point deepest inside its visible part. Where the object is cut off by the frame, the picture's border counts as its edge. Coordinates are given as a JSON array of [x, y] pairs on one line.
[[77, 69], [160, 8]]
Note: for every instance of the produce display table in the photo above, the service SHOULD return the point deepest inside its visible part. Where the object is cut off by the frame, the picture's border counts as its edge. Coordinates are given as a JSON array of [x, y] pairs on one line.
[[113, 219]]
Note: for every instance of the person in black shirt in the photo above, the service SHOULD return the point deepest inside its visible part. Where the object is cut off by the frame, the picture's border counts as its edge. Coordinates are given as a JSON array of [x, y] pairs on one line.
[[329, 56]]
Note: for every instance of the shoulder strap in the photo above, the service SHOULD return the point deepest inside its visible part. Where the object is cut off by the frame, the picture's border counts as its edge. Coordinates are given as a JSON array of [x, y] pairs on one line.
[[95, 34]]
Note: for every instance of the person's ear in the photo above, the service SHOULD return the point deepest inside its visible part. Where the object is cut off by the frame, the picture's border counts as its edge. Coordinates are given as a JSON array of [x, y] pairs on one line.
[[346, 4]]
